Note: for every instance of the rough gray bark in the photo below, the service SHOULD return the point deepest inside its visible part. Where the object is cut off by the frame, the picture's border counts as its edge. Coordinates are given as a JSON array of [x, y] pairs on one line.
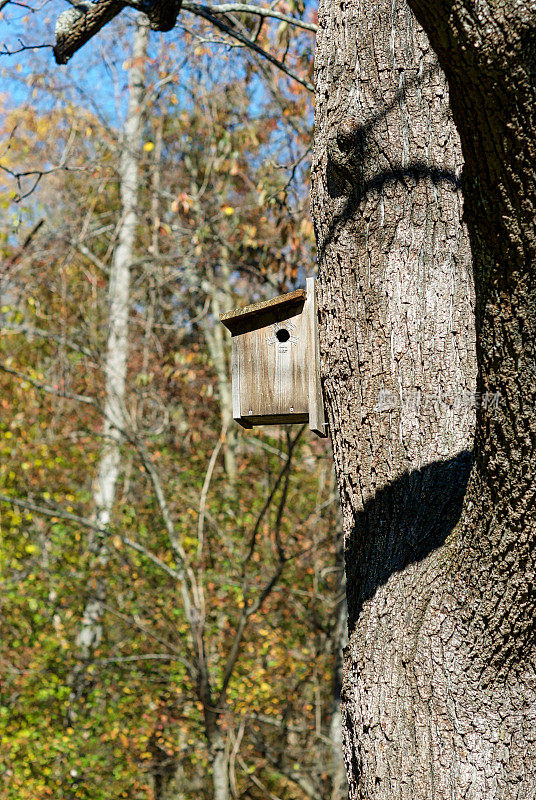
[[440, 682], [339, 784], [115, 367], [396, 322], [488, 50]]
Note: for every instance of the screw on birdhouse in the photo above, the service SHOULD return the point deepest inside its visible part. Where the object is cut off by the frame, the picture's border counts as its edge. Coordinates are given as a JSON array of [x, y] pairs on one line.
[[276, 361]]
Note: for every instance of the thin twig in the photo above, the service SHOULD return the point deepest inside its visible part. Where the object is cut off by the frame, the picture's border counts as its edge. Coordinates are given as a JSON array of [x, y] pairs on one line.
[[80, 398], [131, 620], [258, 783], [181, 559], [67, 515], [247, 613], [24, 246], [6, 52], [37, 175], [234, 752], [53, 337], [268, 501]]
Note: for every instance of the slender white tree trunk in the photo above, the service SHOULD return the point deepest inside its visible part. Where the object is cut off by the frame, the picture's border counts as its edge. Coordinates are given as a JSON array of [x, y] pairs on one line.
[[220, 767], [115, 368], [218, 346]]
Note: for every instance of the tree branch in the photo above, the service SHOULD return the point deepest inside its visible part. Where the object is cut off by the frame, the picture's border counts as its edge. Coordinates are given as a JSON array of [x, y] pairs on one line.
[[66, 515], [76, 26], [205, 13], [247, 613], [81, 398], [225, 8], [53, 337], [22, 47]]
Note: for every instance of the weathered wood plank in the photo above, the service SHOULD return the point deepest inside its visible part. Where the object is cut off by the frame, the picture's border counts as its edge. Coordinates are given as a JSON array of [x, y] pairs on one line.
[[235, 382], [264, 312], [273, 373], [317, 421]]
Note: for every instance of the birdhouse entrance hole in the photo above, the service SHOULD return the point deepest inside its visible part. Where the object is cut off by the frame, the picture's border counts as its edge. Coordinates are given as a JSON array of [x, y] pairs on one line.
[[282, 335]]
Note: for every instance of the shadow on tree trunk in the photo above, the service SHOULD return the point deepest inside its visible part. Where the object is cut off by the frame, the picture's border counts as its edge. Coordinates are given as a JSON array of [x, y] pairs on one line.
[[403, 523]]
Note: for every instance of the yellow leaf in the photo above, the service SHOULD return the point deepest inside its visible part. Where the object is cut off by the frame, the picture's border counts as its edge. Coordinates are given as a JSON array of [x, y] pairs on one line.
[[148, 146], [228, 210]]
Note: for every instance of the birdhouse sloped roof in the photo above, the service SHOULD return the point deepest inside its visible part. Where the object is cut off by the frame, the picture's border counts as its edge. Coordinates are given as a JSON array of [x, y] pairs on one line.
[[258, 315]]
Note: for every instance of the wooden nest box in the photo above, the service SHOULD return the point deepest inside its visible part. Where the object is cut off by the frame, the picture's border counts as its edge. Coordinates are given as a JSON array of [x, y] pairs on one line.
[[276, 361]]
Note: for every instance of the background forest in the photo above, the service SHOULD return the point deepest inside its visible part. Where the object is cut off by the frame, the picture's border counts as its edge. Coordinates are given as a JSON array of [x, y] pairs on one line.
[[172, 608]]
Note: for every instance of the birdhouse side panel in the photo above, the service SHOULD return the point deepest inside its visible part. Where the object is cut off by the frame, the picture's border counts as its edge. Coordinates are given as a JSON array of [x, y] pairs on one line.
[[273, 370], [317, 421]]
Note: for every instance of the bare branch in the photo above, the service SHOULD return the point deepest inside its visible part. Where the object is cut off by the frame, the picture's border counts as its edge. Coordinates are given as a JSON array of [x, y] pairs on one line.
[[22, 47], [24, 246], [247, 612], [132, 620], [181, 559], [76, 26], [53, 337], [284, 470], [254, 779], [61, 514], [37, 175], [144, 657], [97, 262], [81, 398], [259, 11], [203, 11]]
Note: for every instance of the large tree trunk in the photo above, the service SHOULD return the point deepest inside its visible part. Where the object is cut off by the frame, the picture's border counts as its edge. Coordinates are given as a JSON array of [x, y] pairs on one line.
[[440, 684]]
